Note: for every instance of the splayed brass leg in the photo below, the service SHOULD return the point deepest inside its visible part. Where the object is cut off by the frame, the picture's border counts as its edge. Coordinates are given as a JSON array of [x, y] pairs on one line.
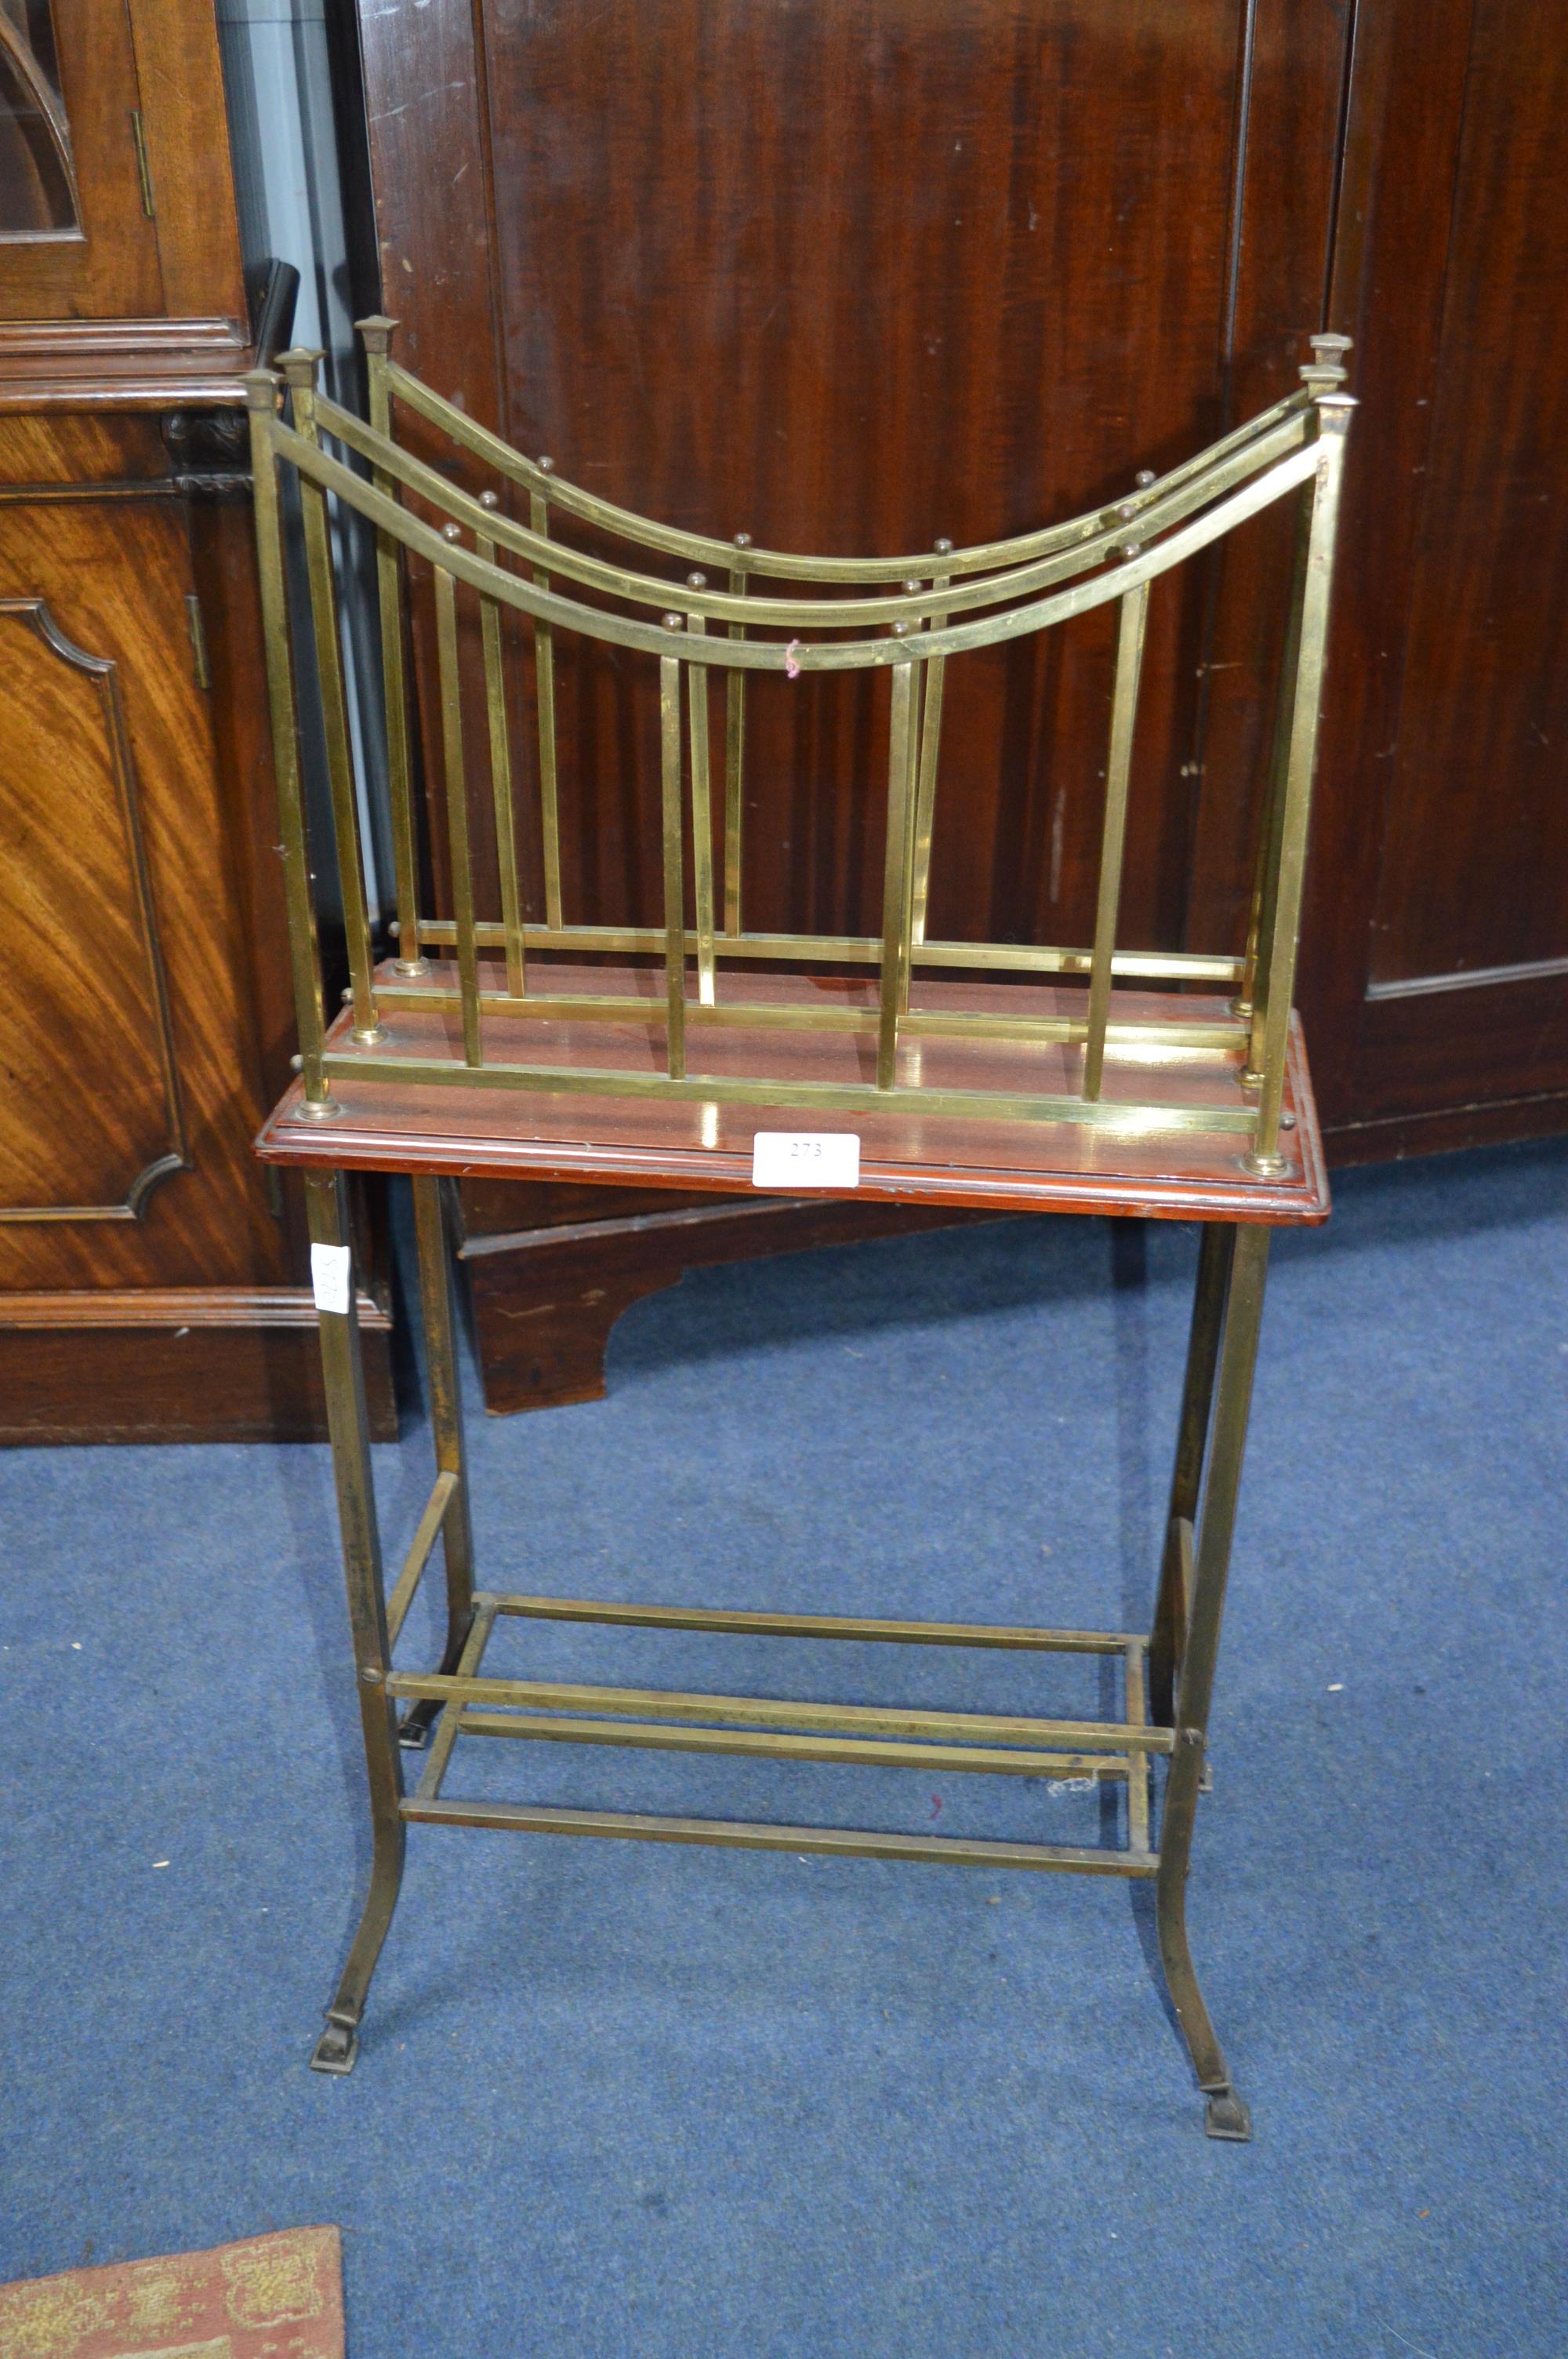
[[1247, 1256], [343, 1368], [447, 1430], [1215, 1257]]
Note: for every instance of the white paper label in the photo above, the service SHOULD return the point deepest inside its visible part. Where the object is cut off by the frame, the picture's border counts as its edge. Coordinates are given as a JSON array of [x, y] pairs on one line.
[[805, 1159], [330, 1276]]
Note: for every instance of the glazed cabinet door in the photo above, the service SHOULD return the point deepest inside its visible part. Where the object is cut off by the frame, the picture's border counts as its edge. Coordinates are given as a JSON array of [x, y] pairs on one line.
[[78, 232]]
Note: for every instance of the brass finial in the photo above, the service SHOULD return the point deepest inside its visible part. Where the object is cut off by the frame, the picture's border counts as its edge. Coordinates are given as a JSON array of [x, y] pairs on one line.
[[1326, 370], [298, 366]]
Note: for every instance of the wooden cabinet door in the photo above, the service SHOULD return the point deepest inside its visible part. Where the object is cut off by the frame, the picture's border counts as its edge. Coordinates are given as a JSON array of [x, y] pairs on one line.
[[133, 1068], [1436, 994]]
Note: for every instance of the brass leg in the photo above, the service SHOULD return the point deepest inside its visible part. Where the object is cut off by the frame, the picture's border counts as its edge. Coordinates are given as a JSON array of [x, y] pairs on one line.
[[343, 1370], [447, 1427], [1215, 1255], [1247, 1256]]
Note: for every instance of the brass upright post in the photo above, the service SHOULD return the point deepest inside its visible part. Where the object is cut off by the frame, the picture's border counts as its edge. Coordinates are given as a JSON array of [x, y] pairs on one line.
[[734, 751], [305, 957], [1131, 624], [701, 808], [456, 781], [930, 753], [896, 912], [1275, 974], [300, 374], [501, 773], [342, 1369], [675, 880], [375, 334], [544, 697]]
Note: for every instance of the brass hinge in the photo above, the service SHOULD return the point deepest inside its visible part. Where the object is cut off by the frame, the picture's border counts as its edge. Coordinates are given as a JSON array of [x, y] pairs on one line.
[[200, 664], [143, 170]]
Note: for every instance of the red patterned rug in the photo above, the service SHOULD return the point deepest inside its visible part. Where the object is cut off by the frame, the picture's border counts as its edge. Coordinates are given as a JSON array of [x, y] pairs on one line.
[[271, 2298]]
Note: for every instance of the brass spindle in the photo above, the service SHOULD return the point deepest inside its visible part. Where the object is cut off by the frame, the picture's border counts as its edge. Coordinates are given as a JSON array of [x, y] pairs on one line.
[[930, 750], [299, 373], [911, 810], [501, 773], [545, 695], [894, 970], [1133, 616], [1260, 915], [734, 756], [701, 807], [674, 882], [375, 334], [1277, 951], [457, 803], [304, 961]]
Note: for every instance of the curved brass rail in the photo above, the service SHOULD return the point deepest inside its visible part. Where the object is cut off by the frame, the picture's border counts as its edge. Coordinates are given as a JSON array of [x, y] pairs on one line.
[[1036, 613], [1163, 505], [703, 548]]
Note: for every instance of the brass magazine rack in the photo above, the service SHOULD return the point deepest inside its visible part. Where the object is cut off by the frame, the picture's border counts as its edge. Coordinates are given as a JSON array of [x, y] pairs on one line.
[[1094, 1078]]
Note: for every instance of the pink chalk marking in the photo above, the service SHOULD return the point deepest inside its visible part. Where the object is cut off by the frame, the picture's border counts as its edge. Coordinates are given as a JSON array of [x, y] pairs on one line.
[[792, 669]]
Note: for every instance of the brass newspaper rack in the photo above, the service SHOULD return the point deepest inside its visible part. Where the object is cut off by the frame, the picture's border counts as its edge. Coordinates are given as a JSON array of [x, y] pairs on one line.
[[1089, 1080]]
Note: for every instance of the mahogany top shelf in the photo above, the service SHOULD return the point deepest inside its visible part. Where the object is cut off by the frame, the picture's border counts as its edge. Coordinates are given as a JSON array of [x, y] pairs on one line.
[[469, 1130]]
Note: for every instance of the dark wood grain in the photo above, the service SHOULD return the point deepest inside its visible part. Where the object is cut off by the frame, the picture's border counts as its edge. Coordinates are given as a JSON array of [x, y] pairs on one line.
[[855, 281], [179, 1366], [1437, 994]]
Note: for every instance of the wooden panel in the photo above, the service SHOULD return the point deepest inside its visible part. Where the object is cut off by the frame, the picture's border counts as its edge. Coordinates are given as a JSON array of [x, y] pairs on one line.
[[1487, 649], [90, 1070], [848, 279], [115, 573], [1435, 990], [184, 1367]]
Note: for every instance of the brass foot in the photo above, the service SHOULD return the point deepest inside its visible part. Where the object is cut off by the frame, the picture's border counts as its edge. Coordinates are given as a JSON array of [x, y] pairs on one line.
[[336, 2049], [1228, 2117], [414, 1728]]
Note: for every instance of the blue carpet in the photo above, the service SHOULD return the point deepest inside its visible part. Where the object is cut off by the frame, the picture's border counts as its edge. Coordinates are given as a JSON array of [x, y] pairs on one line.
[[624, 2102]]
